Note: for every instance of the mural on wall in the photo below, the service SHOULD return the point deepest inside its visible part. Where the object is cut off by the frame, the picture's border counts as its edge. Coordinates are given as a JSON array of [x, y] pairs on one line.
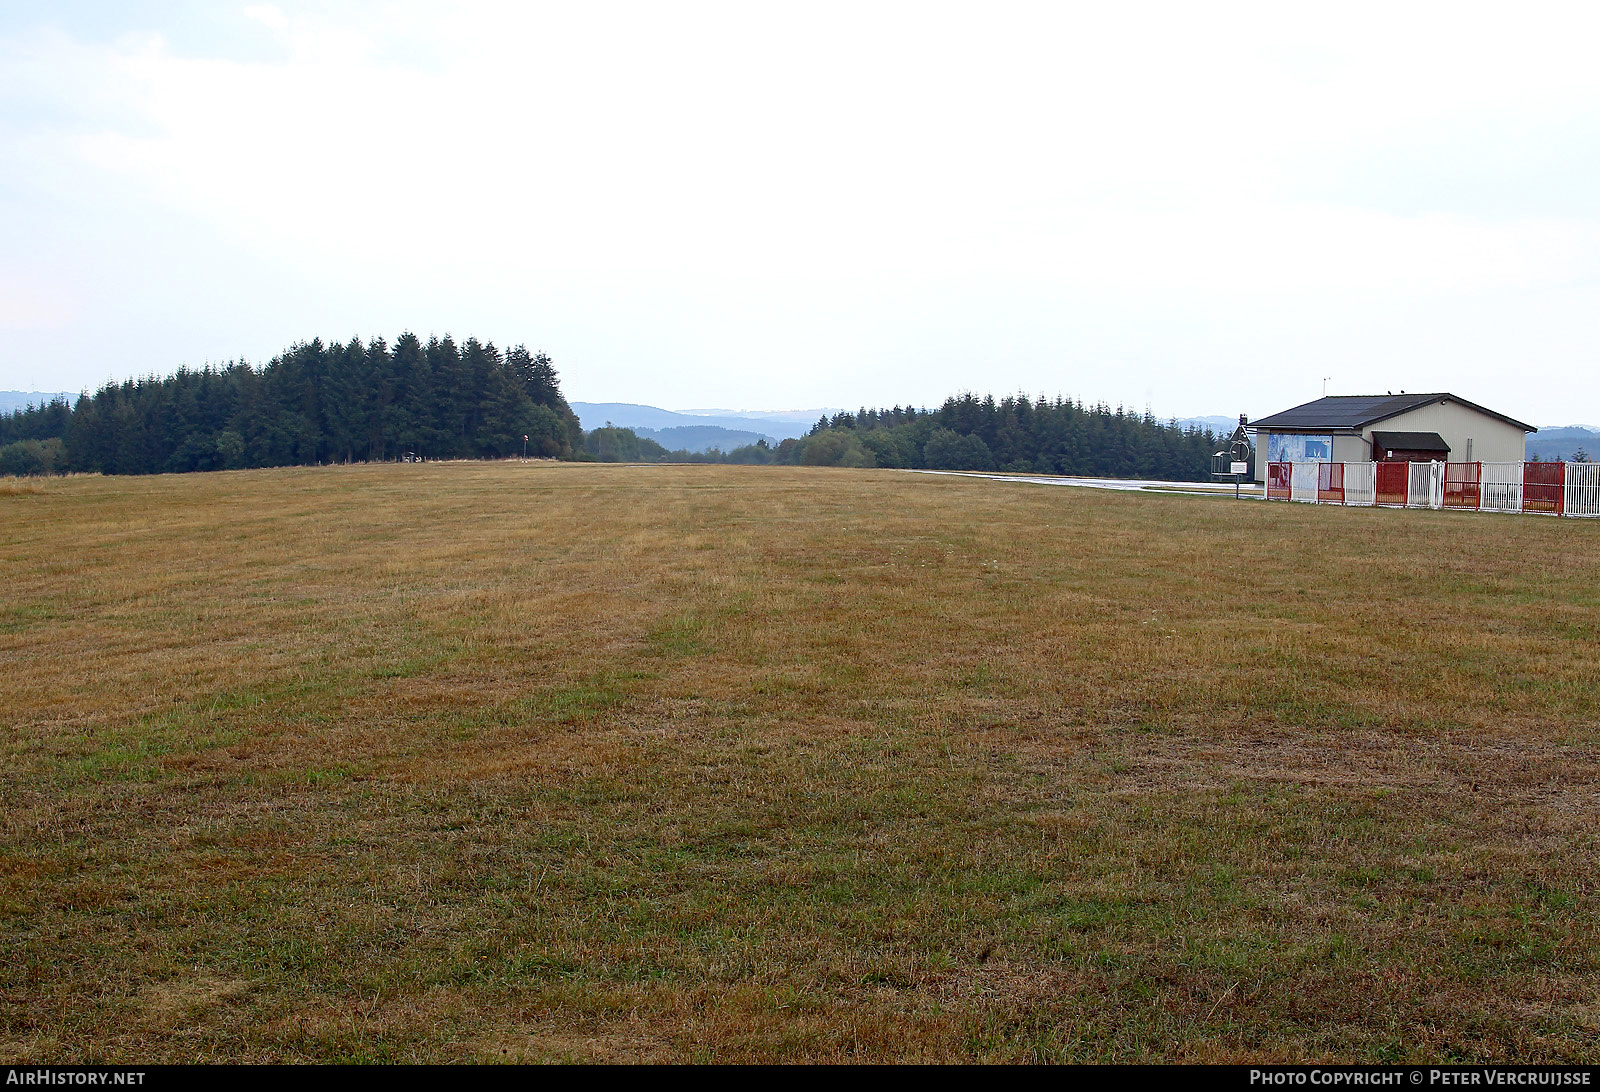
[[1290, 447]]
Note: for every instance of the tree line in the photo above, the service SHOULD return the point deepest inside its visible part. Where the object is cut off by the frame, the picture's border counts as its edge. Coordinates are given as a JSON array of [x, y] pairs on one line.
[[372, 402], [1015, 434], [314, 403]]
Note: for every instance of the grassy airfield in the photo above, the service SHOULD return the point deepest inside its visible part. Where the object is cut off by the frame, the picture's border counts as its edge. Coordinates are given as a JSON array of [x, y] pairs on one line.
[[576, 762]]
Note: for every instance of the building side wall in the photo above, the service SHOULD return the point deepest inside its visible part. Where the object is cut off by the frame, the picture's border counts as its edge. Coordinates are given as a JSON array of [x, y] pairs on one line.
[[1352, 449], [1493, 441]]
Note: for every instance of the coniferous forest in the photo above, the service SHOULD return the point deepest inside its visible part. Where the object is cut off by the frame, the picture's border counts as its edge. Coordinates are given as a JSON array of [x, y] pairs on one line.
[[312, 404], [1013, 435], [325, 403]]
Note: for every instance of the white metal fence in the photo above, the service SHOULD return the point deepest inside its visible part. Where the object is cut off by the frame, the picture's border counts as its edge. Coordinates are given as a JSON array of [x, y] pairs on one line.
[[1425, 486], [1582, 489], [1303, 482], [1566, 489], [1500, 487], [1361, 484]]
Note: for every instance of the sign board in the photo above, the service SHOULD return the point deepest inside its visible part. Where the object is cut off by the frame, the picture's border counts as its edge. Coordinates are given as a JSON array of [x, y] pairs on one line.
[[1240, 468]]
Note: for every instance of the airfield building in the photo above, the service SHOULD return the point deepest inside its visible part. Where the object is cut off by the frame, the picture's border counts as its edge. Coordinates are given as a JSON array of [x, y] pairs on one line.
[[1388, 428]]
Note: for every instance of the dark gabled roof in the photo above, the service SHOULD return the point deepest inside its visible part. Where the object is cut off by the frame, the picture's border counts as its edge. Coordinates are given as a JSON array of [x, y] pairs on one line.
[[1357, 411], [1409, 441], [1352, 411]]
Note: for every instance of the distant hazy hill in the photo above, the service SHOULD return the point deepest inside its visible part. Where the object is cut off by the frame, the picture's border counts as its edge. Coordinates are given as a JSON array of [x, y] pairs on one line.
[[15, 400], [1223, 426], [703, 437], [772, 420], [777, 425], [1560, 443]]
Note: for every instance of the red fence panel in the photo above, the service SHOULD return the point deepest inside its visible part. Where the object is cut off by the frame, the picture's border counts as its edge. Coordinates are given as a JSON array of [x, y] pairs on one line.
[[1544, 487], [1278, 480], [1330, 483], [1393, 483], [1463, 485]]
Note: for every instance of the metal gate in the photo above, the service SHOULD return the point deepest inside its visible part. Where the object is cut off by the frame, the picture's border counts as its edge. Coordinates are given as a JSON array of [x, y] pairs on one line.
[[1583, 489], [1278, 481], [1330, 483], [1425, 485], [1544, 487], [1462, 482], [1303, 478], [1360, 483], [1500, 487], [1392, 482]]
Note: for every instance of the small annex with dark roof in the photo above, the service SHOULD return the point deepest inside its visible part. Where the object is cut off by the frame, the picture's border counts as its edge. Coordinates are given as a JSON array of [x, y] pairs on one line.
[[1414, 427], [1430, 443]]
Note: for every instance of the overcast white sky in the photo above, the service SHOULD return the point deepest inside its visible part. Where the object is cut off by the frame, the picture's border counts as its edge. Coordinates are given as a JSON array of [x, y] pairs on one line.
[[1207, 208]]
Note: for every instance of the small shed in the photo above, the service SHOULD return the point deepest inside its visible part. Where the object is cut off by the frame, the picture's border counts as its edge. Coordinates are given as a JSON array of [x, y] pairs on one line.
[[1409, 447]]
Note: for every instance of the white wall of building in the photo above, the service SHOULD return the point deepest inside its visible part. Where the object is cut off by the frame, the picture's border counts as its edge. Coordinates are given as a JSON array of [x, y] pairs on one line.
[[1491, 440], [1352, 449]]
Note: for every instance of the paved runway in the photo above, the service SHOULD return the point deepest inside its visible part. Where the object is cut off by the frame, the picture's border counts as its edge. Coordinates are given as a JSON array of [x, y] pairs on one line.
[[1249, 489]]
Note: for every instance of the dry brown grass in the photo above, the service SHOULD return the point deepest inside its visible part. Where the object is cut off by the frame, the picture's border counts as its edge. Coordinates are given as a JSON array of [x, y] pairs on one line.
[[507, 762]]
